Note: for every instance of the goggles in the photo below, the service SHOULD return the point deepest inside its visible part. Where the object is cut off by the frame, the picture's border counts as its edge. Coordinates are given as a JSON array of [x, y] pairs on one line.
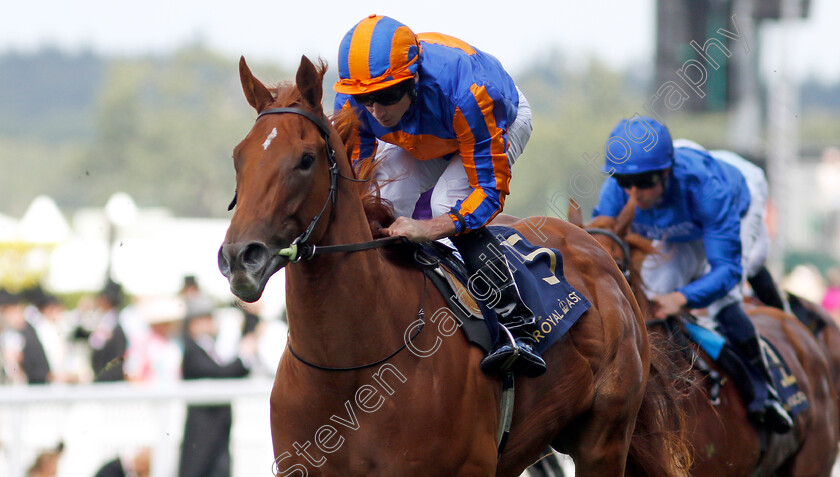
[[385, 97], [645, 180]]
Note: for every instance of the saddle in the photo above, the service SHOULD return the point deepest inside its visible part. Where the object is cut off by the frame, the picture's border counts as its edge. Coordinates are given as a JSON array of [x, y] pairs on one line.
[[538, 272], [446, 273], [685, 329]]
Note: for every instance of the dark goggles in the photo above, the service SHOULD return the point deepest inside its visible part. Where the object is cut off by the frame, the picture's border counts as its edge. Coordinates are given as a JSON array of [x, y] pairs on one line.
[[385, 97], [645, 180]]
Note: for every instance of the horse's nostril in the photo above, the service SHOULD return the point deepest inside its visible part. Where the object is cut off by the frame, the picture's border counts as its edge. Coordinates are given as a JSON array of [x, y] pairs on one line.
[[254, 255], [224, 264], [249, 258]]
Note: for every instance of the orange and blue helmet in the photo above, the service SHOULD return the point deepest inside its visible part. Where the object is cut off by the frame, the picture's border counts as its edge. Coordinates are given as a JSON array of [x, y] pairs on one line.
[[376, 53]]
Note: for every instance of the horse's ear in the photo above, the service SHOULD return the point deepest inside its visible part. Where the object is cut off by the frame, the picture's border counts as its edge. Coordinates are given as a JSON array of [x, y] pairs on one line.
[[257, 94], [575, 216], [309, 83], [625, 217]]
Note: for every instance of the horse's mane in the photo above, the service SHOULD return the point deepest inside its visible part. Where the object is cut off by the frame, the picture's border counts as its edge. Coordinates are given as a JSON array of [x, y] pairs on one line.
[[379, 211], [601, 222], [662, 423]]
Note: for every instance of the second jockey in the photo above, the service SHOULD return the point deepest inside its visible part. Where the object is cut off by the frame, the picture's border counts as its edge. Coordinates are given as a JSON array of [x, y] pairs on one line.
[[700, 211]]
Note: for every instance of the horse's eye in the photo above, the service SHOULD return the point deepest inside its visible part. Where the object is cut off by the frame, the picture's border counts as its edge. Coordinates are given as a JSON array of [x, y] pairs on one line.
[[306, 161]]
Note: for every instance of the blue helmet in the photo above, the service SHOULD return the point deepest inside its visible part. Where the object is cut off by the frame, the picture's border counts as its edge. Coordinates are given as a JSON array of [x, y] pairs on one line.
[[637, 145]]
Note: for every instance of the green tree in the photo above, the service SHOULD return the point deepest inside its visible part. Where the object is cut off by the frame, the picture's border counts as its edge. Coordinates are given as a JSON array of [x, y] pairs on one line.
[[165, 131], [574, 111]]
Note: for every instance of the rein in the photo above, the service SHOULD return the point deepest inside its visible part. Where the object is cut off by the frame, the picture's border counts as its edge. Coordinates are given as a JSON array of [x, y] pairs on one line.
[[299, 249], [296, 252], [420, 315], [624, 266]]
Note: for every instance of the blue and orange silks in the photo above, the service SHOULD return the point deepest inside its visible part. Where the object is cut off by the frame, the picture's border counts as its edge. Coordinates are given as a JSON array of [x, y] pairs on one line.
[[465, 103]]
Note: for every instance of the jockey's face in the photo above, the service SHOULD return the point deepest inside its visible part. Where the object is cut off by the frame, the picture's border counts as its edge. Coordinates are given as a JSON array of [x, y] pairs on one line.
[[388, 116], [646, 198], [649, 196]]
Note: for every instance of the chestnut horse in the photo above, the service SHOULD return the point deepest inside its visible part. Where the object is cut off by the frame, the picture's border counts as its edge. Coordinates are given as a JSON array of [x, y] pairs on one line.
[[362, 389], [724, 440], [828, 335]]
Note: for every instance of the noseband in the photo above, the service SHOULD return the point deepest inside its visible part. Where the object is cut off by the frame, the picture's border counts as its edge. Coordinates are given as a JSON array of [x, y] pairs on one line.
[[624, 266], [299, 248], [300, 242]]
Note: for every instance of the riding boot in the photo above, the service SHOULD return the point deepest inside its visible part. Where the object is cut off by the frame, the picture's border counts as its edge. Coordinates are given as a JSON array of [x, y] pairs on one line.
[[740, 331], [517, 354], [776, 417], [766, 291], [483, 258]]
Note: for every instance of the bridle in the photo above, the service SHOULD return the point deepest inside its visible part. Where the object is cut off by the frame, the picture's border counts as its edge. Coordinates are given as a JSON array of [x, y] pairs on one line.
[[299, 249], [624, 266]]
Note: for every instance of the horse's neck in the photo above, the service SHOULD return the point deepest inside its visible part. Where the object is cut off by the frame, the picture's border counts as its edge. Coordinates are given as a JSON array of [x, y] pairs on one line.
[[348, 305], [638, 288]]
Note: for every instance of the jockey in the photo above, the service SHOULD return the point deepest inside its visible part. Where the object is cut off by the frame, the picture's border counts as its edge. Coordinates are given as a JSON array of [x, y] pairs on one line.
[[436, 113], [762, 283], [699, 210]]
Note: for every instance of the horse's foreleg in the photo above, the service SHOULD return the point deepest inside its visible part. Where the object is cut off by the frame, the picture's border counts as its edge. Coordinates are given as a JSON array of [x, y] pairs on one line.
[[601, 450]]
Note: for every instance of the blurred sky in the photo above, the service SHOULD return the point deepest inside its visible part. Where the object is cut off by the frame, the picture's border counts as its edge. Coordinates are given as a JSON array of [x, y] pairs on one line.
[[620, 33]]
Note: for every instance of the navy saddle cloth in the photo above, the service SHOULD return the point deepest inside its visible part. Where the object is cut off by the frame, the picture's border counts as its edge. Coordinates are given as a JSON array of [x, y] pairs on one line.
[[538, 272], [712, 342]]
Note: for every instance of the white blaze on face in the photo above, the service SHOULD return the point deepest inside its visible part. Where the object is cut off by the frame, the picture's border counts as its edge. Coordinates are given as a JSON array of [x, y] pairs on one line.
[[270, 137]]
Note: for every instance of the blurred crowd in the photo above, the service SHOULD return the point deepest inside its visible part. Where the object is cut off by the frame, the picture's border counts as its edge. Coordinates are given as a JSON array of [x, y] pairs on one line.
[[154, 340], [109, 336]]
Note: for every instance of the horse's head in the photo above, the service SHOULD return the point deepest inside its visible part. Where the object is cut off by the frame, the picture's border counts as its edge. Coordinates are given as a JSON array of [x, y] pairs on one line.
[[285, 178], [628, 249], [614, 234]]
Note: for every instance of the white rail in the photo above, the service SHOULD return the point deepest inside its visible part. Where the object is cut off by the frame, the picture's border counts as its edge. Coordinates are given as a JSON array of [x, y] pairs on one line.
[[99, 421]]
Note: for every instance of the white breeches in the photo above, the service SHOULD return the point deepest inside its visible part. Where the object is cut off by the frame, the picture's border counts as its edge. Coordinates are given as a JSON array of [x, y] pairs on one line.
[[405, 178]]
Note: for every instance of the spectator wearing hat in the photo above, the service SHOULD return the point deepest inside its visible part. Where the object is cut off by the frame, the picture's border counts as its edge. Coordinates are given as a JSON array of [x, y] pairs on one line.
[[48, 320], [189, 288], [34, 362], [154, 355], [205, 451], [108, 339], [24, 355], [13, 322]]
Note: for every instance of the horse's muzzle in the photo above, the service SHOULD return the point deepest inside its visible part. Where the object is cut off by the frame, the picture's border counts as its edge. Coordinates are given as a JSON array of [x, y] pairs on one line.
[[248, 266]]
